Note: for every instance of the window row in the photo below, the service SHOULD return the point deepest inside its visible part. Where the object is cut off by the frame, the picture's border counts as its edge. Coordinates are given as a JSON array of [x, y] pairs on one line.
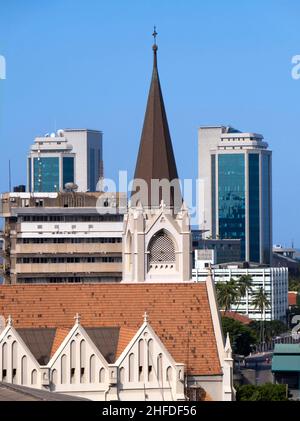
[[29, 260], [100, 240], [71, 218]]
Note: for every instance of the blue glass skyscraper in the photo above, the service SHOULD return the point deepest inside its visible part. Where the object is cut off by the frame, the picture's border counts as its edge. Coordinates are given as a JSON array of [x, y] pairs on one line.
[[235, 190]]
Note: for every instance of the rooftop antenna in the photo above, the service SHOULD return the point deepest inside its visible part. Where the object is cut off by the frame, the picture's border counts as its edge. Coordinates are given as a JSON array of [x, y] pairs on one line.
[[9, 176]]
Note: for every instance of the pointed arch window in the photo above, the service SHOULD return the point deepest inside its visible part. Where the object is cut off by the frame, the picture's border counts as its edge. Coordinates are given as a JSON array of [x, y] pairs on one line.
[[24, 370], [131, 367], [54, 376], [14, 357], [92, 368], [150, 360], [4, 362], [64, 369], [34, 377], [82, 361], [161, 249], [101, 375], [73, 360]]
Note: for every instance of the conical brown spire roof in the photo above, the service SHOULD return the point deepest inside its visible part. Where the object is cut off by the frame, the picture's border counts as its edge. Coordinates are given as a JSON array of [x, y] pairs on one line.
[[156, 157]]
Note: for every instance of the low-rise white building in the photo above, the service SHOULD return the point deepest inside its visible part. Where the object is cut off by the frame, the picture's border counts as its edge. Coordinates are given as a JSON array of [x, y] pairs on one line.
[[274, 282]]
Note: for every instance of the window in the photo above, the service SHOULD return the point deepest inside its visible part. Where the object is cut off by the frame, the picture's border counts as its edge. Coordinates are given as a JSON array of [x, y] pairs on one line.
[[231, 200], [102, 375], [34, 377], [24, 370], [122, 375], [92, 368], [131, 367], [161, 249], [4, 362], [14, 356], [169, 374], [46, 175], [254, 206], [64, 369], [68, 170], [159, 367], [73, 360], [82, 361], [150, 360], [141, 360]]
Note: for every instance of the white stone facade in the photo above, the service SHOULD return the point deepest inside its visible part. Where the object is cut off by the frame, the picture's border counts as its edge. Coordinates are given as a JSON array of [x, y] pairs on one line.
[[156, 245], [144, 370]]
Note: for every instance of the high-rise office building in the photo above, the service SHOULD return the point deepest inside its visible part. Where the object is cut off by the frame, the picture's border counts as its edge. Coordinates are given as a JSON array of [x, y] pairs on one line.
[[68, 156], [235, 190]]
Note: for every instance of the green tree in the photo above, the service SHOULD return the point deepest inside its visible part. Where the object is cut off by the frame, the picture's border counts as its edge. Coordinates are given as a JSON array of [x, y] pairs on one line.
[[227, 294], [265, 392], [260, 300], [244, 286], [272, 328], [241, 336]]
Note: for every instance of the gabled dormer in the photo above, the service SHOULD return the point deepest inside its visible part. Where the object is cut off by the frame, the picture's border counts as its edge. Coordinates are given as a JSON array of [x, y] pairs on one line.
[[147, 367]]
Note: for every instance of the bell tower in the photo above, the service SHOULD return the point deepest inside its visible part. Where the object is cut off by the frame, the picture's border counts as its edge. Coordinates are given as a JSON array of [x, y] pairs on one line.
[[156, 233]]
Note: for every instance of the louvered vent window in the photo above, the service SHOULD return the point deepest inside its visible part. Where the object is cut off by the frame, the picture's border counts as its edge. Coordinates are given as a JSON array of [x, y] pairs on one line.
[[161, 249]]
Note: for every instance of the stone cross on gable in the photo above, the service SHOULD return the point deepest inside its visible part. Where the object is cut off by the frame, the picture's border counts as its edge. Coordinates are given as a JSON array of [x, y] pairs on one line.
[[9, 320], [77, 318], [146, 317]]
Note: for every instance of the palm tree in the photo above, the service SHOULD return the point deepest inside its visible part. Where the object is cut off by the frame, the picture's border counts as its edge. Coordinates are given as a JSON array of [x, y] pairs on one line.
[[227, 293], [244, 287], [260, 300]]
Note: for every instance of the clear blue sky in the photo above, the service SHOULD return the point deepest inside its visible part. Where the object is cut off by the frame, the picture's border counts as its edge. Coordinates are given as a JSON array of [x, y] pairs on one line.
[[87, 63]]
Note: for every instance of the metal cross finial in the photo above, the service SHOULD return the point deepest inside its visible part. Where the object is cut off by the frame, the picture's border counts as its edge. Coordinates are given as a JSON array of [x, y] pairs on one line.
[[146, 317], [77, 318], [9, 320], [154, 35]]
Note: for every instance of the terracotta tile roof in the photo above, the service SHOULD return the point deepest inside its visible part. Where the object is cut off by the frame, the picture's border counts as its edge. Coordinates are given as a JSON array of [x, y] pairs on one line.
[[179, 313], [125, 337], [60, 334], [292, 297], [236, 316]]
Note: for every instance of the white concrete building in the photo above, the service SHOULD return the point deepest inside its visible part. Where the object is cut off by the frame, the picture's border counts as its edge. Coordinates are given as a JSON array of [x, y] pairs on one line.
[[62, 237], [274, 282]]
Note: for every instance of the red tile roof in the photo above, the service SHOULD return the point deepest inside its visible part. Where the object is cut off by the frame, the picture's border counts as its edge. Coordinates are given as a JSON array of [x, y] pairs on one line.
[[292, 297], [236, 316], [60, 334], [179, 313]]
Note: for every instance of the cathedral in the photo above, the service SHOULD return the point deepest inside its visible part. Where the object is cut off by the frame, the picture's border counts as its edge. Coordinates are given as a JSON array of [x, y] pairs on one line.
[[155, 336]]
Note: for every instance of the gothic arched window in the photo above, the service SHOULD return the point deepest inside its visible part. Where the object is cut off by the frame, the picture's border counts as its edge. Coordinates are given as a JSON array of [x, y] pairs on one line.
[[161, 249]]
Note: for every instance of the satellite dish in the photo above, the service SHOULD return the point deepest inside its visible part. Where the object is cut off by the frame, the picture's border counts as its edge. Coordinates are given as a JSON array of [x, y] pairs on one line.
[[52, 135], [60, 133]]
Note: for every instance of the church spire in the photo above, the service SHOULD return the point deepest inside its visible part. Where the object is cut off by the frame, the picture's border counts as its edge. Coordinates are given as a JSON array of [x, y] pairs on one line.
[[156, 157]]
